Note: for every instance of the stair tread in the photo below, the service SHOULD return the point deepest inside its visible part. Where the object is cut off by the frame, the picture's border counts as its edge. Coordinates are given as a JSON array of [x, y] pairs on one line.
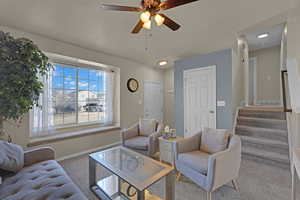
[[266, 154], [262, 122], [262, 114], [263, 108], [264, 141], [263, 132], [262, 119], [262, 111], [269, 130]]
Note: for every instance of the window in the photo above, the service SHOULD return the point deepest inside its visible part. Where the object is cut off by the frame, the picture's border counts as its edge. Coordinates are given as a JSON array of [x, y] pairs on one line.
[[74, 97]]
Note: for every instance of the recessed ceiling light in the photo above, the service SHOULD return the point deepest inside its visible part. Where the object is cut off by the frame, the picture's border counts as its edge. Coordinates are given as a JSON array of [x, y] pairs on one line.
[[263, 35], [163, 62]]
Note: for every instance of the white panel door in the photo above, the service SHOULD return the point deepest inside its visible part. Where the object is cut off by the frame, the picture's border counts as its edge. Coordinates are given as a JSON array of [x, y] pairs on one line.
[[199, 99], [153, 100], [252, 81]]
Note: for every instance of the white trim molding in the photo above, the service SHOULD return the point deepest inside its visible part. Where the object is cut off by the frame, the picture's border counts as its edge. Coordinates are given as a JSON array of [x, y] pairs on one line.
[[88, 151]]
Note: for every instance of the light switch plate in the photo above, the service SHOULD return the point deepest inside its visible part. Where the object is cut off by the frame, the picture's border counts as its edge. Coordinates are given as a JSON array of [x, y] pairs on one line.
[[221, 103]]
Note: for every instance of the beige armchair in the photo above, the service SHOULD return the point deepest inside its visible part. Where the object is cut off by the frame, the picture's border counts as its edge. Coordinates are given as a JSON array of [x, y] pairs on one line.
[[137, 138], [209, 170]]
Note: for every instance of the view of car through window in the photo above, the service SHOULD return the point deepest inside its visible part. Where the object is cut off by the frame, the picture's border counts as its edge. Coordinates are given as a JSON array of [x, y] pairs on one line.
[[78, 95]]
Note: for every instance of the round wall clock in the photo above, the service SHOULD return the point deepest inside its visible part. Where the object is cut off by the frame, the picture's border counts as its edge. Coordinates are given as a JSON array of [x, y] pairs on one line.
[[132, 85]]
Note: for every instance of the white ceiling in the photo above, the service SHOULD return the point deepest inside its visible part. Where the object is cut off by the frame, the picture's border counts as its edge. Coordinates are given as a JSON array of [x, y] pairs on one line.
[[274, 39], [207, 25]]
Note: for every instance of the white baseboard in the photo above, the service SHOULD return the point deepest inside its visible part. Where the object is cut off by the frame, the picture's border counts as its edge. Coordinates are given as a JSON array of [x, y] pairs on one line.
[[88, 151]]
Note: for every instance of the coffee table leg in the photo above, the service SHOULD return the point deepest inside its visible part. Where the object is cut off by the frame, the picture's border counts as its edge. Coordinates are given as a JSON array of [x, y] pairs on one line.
[[119, 185], [140, 195], [293, 183], [170, 186], [92, 172]]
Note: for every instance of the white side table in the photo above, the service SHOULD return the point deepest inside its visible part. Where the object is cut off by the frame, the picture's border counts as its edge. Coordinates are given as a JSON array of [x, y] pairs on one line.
[[295, 171], [166, 147]]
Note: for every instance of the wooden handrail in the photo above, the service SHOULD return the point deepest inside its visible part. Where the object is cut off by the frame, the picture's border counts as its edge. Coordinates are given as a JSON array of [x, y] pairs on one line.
[[285, 109]]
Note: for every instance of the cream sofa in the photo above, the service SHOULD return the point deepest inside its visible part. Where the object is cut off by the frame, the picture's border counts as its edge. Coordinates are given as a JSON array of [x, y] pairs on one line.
[[42, 178]]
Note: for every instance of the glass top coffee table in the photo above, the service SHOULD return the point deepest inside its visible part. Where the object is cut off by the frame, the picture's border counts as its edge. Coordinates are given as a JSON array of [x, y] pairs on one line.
[[130, 170]]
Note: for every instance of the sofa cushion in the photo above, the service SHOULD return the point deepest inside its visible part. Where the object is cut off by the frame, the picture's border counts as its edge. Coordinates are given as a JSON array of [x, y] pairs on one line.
[[147, 126], [42, 181], [197, 160], [214, 140], [140, 143]]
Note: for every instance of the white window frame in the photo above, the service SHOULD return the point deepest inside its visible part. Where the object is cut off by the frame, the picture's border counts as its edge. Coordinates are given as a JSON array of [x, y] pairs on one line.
[[77, 124], [85, 64]]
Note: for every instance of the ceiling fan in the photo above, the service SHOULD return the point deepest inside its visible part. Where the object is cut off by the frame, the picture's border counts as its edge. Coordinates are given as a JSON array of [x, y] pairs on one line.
[[150, 9]]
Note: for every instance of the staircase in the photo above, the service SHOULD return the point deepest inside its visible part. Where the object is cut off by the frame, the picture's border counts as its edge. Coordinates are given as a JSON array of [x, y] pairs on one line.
[[263, 131]]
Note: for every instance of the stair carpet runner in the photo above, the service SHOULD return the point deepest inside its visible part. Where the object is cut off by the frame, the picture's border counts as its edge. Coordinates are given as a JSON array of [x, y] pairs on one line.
[[264, 136]]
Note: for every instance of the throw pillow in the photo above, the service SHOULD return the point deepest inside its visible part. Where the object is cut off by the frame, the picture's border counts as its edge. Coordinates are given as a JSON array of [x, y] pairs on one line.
[[11, 157], [214, 140]]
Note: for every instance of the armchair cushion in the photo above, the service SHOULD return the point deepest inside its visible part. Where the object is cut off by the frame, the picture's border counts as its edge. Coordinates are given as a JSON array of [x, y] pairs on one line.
[[214, 140], [147, 126], [140, 143], [197, 160]]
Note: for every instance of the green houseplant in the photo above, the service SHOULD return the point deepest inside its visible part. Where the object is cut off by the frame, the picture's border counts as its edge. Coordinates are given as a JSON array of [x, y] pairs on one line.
[[21, 64]]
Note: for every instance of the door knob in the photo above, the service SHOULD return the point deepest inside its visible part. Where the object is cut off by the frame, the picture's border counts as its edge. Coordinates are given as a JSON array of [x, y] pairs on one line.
[[211, 111]]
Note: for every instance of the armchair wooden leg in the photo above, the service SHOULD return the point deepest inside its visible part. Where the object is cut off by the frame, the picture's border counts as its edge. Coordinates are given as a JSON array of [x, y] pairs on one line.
[[235, 185], [208, 196], [178, 176]]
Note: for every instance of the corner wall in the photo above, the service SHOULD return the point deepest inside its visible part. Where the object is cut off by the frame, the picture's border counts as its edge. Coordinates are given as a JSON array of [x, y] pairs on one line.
[[169, 98], [293, 56], [223, 61], [243, 55], [238, 73], [130, 107]]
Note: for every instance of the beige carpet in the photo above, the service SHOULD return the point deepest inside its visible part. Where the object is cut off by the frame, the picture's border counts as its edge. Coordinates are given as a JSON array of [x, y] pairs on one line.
[[256, 182]]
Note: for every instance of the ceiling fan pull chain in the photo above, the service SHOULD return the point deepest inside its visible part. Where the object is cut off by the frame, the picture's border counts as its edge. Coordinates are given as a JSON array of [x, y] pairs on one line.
[[146, 42]]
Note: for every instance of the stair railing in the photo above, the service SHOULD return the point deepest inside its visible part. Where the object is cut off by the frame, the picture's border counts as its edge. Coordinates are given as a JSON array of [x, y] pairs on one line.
[[284, 75], [235, 119]]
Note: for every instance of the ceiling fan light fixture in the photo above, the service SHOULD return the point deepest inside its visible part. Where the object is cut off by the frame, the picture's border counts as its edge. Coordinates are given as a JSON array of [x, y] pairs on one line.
[[147, 25], [149, 9], [162, 62], [159, 19], [145, 16]]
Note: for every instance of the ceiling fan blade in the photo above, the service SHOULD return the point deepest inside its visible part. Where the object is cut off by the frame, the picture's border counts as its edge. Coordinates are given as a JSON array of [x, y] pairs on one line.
[[138, 27], [170, 23], [121, 8], [174, 3]]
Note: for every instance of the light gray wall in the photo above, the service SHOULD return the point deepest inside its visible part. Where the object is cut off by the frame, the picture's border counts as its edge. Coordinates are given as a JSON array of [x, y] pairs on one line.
[[223, 61], [131, 108], [169, 98], [268, 75]]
